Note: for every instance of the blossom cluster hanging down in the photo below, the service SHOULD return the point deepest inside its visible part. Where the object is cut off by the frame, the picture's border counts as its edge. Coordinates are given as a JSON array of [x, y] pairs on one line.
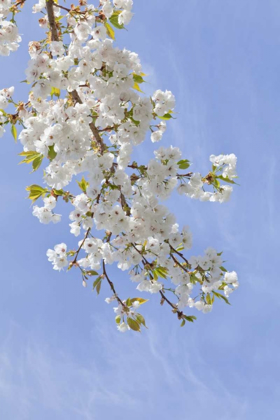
[[85, 115]]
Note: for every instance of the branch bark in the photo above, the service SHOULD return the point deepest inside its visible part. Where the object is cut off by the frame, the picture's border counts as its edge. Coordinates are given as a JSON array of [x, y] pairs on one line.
[[50, 12]]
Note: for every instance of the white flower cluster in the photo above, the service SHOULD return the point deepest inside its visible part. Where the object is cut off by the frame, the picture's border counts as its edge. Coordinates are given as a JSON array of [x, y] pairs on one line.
[[5, 96], [58, 256], [45, 214], [9, 36], [92, 129], [226, 164]]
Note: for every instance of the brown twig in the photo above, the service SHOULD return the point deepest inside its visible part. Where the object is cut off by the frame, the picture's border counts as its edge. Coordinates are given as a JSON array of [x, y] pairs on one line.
[[111, 284], [178, 263], [179, 253], [62, 7], [80, 247]]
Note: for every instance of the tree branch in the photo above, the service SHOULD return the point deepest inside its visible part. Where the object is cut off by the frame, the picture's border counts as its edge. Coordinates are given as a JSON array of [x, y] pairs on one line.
[[92, 126], [50, 12]]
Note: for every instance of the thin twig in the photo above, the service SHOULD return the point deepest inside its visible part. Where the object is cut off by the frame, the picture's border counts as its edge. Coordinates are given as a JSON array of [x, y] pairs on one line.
[[111, 284], [179, 253], [178, 263], [80, 247]]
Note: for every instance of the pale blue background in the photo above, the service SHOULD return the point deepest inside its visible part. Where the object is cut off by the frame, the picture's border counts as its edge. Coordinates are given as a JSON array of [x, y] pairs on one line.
[[60, 354]]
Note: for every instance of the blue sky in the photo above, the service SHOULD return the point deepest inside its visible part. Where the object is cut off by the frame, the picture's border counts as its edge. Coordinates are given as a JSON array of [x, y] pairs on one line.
[[60, 354]]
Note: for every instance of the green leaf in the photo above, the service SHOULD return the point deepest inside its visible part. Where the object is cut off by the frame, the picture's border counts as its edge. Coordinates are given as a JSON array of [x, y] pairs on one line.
[[183, 323], [183, 164], [128, 302], [223, 269], [133, 324], [14, 132], [160, 272], [114, 19], [29, 156], [165, 117], [51, 153], [118, 319], [137, 78], [208, 299], [35, 192], [110, 30], [141, 319], [226, 179], [180, 248], [92, 273], [137, 87], [55, 92], [98, 287], [97, 284], [83, 184], [37, 162], [140, 300], [58, 192], [220, 296], [189, 318]]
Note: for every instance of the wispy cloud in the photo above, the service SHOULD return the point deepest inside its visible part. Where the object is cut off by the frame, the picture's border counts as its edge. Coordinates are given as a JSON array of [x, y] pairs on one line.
[[119, 374]]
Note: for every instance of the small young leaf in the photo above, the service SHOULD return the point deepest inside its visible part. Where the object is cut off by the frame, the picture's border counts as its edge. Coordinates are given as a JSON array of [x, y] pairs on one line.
[[55, 92], [97, 284], [35, 192], [137, 78], [128, 302], [92, 273], [133, 324], [165, 117], [37, 162], [190, 318], [141, 319], [83, 184], [137, 87], [110, 30], [98, 287], [220, 296], [51, 153], [114, 19], [183, 164], [14, 132], [140, 300], [226, 179], [208, 299]]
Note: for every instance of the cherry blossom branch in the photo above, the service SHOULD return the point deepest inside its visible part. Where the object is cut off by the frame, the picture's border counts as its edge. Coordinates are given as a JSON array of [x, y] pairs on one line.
[[74, 93], [173, 306]]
